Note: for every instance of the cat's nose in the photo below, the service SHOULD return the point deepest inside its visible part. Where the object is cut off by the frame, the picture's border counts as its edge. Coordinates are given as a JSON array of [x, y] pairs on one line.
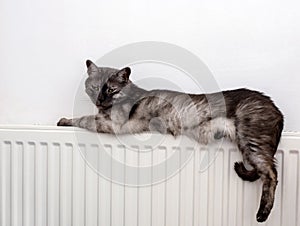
[[98, 102]]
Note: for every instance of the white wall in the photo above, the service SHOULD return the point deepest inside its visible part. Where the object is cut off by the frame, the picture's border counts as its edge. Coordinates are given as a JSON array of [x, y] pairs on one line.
[[43, 46]]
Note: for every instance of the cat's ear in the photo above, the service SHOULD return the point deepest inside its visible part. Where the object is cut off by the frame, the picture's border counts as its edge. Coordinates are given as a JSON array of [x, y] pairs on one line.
[[123, 74], [91, 67]]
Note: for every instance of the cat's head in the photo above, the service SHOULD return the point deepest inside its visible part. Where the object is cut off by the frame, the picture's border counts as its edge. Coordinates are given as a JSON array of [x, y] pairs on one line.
[[104, 85]]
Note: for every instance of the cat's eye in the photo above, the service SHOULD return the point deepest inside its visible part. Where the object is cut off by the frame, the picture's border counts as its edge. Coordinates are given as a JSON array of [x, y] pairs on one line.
[[110, 91], [95, 88]]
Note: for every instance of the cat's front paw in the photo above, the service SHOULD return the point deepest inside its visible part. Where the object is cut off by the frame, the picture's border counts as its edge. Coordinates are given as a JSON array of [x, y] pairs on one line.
[[64, 122]]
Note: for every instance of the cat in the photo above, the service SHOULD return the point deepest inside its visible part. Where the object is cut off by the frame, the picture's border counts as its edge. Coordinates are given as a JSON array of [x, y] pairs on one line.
[[246, 117]]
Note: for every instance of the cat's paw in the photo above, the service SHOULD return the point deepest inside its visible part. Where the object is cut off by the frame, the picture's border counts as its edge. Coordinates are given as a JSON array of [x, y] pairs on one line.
[[262, 215], [64, 122]]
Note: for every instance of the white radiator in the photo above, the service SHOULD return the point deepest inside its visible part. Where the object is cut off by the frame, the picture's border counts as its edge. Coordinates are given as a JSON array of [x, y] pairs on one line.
[[144, 180]]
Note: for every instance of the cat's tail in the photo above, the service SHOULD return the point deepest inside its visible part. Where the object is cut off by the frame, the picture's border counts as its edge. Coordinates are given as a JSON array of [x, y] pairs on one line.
[[243, 173]]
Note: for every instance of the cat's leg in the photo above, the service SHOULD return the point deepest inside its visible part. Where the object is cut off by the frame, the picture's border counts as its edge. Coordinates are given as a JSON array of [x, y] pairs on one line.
[[267, 170], [239, 167], [259, 155], [102, 123], [133, 126], [95, 123], [264, 164]]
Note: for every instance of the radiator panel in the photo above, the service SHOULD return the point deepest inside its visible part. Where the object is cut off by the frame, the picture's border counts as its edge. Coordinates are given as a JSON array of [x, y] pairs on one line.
[[45, 180]]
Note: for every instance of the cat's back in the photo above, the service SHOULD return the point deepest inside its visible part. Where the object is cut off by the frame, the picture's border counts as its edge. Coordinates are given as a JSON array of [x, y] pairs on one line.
[[248, 101]]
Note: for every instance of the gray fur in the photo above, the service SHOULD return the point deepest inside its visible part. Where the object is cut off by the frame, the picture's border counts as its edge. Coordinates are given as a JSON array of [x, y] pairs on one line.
[[246, 117]]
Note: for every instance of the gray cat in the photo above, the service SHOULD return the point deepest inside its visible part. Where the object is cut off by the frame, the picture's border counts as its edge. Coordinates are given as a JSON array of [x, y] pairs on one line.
[[246, 117]]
